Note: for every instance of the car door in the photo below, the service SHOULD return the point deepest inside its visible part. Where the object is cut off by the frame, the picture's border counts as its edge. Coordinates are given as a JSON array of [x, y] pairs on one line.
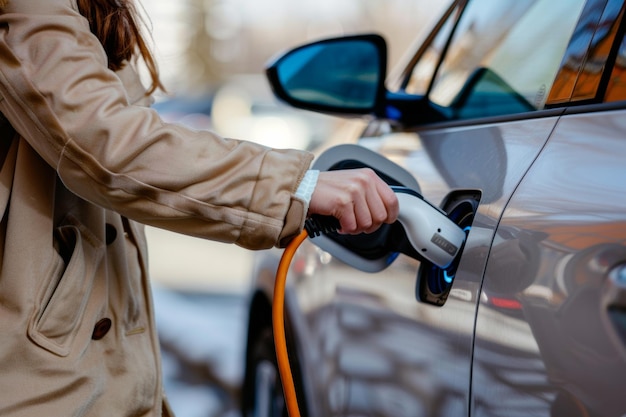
[[551, 327], [400, 342]]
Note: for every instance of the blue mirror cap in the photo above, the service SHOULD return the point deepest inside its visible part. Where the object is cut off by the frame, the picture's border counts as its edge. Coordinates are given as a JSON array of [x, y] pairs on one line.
[[375, 106]]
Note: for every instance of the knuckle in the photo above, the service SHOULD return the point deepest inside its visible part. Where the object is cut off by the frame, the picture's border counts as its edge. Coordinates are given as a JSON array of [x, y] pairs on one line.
[[366, 225], [343, 201], [369, 175], [348, 227], [379, 217]]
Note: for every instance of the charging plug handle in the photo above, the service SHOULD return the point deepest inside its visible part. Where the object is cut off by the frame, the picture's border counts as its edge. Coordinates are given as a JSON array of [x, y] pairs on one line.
[[429, 230], [426, 232]]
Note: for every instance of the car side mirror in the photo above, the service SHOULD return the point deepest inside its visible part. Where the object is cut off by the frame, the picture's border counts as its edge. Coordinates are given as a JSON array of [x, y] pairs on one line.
[[346, 76], [341, 75]]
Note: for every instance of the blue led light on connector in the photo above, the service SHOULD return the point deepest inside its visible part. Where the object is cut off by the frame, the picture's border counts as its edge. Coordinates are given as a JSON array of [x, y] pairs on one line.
[[392, 257]]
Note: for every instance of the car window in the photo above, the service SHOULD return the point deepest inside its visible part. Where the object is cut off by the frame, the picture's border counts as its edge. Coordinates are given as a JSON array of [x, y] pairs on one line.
[[422, 73], [580, 76], [616, 88], [504, 56]]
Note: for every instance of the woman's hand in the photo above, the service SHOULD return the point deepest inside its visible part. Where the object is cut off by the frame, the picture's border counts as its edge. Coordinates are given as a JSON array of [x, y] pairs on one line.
[[358, 198]]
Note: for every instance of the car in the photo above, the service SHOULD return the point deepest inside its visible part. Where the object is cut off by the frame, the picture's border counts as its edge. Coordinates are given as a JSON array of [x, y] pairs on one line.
[[510, 117]]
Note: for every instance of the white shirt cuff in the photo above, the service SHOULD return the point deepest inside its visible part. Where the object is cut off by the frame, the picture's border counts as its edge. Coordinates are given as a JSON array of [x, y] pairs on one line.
[[307, 185]]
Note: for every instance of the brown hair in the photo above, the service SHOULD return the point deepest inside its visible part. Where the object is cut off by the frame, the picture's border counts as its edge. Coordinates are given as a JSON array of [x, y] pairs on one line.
[[115, 23]]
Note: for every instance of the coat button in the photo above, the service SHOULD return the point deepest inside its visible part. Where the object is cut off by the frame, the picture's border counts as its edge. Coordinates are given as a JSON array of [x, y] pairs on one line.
[[111, 233], [101, 328]]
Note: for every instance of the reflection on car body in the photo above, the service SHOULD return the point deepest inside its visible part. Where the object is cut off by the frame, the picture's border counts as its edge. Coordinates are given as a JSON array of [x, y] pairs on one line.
[[516, 112]]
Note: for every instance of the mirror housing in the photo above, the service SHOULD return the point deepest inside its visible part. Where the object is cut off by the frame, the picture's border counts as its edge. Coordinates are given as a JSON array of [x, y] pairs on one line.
[[340, 75], [346, 76]]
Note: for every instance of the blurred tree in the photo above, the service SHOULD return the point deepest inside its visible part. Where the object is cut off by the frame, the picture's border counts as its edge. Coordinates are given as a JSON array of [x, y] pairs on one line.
[[203, 70]]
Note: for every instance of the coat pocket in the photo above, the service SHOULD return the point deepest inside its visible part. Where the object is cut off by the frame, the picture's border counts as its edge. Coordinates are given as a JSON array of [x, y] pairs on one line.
[[64, 298]]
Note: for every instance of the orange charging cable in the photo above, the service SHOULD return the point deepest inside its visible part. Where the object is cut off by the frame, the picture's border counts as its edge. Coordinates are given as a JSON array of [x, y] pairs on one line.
[[278, 322]]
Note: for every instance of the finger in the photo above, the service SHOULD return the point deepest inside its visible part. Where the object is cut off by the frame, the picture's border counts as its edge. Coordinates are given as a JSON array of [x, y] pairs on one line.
[[383, 204], [390, 201], [347, 219], [362, 213], [377, 212]]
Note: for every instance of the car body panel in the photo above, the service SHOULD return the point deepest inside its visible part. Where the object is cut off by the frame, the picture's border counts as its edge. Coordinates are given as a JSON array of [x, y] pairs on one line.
[[365, 321], [567, 218]]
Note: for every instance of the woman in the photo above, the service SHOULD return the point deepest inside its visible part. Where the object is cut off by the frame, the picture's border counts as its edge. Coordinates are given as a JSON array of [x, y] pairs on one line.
[[83, 165]]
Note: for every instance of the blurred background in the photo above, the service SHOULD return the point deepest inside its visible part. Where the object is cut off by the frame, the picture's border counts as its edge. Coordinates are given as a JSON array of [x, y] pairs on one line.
[[211, 54]]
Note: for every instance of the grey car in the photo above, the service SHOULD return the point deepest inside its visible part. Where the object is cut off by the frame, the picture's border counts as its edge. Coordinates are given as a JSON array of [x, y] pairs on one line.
[[511, 117]]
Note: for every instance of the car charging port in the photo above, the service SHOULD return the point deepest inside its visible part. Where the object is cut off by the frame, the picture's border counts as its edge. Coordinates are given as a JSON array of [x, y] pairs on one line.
[[434, 283]]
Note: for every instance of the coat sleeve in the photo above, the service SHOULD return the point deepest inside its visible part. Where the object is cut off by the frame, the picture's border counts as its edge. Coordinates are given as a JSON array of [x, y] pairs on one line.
[[58, 94]]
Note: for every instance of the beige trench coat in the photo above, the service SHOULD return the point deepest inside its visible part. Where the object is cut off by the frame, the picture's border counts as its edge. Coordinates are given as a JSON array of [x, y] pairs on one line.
[[79, 157]]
